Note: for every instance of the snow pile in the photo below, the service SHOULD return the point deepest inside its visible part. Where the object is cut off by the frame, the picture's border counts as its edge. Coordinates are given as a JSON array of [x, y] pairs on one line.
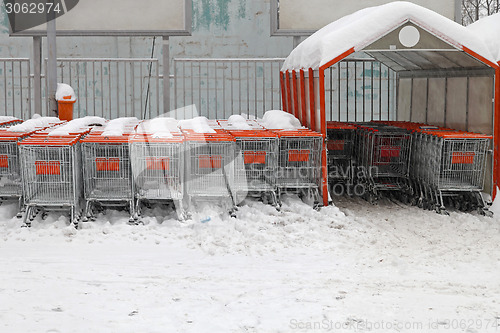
[[363, 27], [488, 29], [63, 91], [35, 123], [238, 122], [118, 126], [4, 119], [161, 127], [77, 125], [277, 119], [351, 269], [495, 207], [197, 124]]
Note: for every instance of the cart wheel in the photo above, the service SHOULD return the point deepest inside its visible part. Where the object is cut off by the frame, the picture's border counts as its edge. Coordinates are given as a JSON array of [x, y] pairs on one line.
[[232, 212], [404, 198], [441, 211], [44, 215], [26, 221], [359, 190], [371, 198], [485, 212]]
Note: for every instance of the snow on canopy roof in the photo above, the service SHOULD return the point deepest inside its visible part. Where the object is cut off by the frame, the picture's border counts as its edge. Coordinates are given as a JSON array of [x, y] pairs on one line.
[[489, 30], [365, 26]]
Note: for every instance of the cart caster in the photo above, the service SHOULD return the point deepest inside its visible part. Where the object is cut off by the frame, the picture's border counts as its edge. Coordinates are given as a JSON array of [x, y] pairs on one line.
[[442, 211], [371, 198], [19, 215], [426, 205], [359, 190], [485, 212], [135, 222], [45, 215]]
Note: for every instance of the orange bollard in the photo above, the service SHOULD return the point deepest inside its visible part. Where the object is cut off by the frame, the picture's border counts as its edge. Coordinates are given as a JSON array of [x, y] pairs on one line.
[[65, 108]]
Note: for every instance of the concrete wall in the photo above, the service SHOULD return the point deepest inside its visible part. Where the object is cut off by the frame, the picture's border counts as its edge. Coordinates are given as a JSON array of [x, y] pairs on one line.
[[221, 28]]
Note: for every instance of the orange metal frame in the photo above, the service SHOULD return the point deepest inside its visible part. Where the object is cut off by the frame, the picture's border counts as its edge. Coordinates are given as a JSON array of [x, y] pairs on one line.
[[283, 91], [295, 95], [312, 98], [312, 111], [289, 93], [303, 117]]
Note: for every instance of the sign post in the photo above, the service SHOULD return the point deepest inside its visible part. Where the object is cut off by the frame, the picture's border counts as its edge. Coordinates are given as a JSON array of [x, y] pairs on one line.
[[52, 63]]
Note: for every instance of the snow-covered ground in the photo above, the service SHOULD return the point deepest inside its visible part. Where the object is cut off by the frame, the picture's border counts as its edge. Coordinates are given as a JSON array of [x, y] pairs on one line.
[[355, 268]]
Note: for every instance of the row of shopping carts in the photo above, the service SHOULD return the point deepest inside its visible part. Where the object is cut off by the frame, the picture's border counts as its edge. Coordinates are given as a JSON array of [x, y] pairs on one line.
[[87, 169], [421, 163], [11, 176]]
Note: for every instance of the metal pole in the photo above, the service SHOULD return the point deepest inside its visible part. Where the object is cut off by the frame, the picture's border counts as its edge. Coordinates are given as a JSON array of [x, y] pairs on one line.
[[52, 63], [166, 74], [37, 68]]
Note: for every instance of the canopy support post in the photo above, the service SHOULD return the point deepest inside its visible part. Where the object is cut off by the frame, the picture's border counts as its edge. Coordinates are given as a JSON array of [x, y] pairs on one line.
[[496, 133]]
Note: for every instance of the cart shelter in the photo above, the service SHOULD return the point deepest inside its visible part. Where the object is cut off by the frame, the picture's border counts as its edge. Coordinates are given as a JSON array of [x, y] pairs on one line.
[[446, 74]]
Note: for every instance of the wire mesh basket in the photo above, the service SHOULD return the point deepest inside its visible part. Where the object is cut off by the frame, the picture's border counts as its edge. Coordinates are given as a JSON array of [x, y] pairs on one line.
[[256, 172], [52, 173], [107, 171], [158, 168], [210, 166]]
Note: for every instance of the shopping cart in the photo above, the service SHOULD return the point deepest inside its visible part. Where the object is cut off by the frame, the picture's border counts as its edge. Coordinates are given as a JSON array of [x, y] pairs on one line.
[[383, 156], [6, 121], [452, 164], [107, 172], [210, 159], [257, 174], [249, 125], [158, 170], [10, 171], [52, 179], [340, 140], [299, 164]]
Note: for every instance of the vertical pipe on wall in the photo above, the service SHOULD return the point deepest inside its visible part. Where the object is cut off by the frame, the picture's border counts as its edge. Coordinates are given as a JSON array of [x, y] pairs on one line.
[[166, 74], [347, 90], [445, 100], [37, 65], [288, 93], [355, 91], [363, 89], [371, 99], [411, 100], [427, 101]]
